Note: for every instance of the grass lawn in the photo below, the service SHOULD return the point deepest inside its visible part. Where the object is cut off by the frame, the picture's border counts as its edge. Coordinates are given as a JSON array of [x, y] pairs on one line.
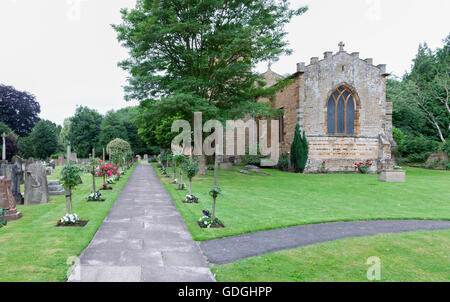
[[258, 202], [414, 256], [33, 249]]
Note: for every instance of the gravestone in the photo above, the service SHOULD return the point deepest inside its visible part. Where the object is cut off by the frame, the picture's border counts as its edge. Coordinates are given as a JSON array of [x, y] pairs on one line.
[[7, 200], [145, 156], [14, 173], [61, 160], [21, 163], [48, 170], [73, 157], [52, 164], [55, 188], [226, 166], [36, 187]]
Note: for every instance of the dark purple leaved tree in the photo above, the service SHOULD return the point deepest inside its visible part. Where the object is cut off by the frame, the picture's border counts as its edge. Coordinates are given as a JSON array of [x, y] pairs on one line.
[[18, 109]]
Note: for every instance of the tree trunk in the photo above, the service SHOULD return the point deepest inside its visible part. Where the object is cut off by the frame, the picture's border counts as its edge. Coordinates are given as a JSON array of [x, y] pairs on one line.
[[70, 198], [93, 184], [190, 187], [67, 200], [174, 171], [213, 212], [202, 165]]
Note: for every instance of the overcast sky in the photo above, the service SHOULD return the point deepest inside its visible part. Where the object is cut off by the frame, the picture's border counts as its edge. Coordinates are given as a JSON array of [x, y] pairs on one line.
[[65, 51]]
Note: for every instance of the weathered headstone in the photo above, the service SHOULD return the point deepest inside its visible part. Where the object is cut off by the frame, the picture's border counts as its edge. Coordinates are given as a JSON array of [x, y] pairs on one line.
[[145, 156], [61, 160], [14, 173], [73, 157], [226, 166], [4, 147], [7, 200], [21, 163], [36, 187], [52, 164]]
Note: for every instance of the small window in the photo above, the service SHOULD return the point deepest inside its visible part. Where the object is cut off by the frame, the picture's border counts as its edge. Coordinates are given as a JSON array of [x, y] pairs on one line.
[[281, 127], [341, 112]]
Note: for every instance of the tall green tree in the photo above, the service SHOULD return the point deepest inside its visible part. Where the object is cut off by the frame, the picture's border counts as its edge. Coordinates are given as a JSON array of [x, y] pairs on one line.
[[421, 98], [44, 139], [198, 55], [84, 131], [121, 124]]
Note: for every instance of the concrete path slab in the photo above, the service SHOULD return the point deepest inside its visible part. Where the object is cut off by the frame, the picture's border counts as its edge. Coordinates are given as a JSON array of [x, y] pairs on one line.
[[230, 249], [143, 238]]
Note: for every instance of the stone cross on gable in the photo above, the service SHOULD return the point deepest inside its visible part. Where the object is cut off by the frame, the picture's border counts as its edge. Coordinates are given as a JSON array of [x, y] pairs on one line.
[[4, 146], [341, 46]]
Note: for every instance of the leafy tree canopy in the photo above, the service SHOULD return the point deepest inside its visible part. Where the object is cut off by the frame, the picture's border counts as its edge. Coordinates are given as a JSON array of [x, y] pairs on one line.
[[118, 146], [44, 139], [84, 131], [198, 55], [18, 109]]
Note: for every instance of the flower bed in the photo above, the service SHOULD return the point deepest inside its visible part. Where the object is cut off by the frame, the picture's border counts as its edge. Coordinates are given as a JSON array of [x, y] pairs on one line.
[[96, 197], [363, 167], [206, 221], [190, 199], [71, 220]]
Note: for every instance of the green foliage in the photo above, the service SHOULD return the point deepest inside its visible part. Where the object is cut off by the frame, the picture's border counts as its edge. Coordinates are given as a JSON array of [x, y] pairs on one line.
[[416, 149], [4, 129], [93, 165], [283, 161], [3, 212], [179, 159], [299, 150], [446, 147], [215, 192], [84, 131], [190, 167], [43, 139], [249, 159], [118, 145], [201, 60], [70, 176], [26, 148], [421, 97]]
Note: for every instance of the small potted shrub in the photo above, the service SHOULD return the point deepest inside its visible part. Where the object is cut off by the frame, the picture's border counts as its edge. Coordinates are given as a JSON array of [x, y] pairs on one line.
[[323, 168]]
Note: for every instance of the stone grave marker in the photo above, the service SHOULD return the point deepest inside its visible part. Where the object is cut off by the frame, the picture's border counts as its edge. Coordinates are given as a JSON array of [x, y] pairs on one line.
[[14, 173], [7, 200], [61, 160], [36, 186]]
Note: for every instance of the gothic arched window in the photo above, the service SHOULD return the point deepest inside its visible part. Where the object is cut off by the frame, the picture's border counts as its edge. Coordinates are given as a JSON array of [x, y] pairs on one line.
[[341, 112]]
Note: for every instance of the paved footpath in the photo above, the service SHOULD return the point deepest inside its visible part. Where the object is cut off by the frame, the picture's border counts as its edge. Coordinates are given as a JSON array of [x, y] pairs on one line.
[[230, 249], [143, 238]]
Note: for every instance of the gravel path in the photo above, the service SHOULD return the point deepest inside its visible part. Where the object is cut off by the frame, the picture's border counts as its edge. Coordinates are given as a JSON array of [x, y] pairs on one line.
[[230, 249]]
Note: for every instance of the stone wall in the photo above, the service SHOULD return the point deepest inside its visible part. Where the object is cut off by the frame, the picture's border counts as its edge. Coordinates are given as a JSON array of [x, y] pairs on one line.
[[305, 101]]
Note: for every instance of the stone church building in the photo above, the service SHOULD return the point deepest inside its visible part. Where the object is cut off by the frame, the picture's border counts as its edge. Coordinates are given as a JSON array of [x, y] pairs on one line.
[[340, 103]]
